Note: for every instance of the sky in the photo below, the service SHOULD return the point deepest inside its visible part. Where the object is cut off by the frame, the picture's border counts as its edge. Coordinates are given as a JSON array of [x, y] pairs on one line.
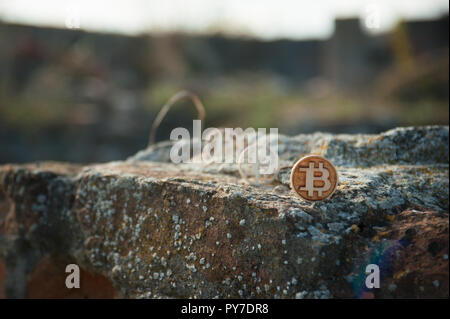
[[266, 19]]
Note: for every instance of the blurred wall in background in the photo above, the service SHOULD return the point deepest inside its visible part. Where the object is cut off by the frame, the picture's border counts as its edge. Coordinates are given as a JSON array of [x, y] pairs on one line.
[[86, 97]]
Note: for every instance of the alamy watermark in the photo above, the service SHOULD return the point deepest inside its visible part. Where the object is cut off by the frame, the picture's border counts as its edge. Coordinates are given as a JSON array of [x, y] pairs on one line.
[[373, 276], [258, 148], [372, 19], [73, 279], [73, 20]]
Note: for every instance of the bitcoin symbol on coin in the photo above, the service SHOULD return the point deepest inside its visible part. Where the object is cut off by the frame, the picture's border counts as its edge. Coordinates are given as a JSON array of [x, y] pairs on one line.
[[310, 178], [314, 178]]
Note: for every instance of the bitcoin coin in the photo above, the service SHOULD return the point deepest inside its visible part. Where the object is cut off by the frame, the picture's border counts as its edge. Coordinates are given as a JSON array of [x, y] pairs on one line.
[[314, 178]]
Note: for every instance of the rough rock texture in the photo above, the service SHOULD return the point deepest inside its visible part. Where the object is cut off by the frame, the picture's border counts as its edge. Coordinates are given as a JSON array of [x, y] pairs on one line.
[[153, 229]]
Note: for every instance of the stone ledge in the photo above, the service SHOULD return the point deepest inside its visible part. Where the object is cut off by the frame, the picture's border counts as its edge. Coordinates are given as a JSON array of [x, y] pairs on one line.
[[159, 230]]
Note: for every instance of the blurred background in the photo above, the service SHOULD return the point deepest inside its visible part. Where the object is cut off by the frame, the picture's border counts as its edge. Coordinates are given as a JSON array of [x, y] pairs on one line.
[[82, 81]]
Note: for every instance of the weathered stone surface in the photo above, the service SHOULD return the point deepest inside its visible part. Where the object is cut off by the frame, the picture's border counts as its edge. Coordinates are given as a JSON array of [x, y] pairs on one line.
[[156, 229]]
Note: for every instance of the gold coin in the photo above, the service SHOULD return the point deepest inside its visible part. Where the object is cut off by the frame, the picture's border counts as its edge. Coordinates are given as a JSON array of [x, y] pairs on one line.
[[314, 178]]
